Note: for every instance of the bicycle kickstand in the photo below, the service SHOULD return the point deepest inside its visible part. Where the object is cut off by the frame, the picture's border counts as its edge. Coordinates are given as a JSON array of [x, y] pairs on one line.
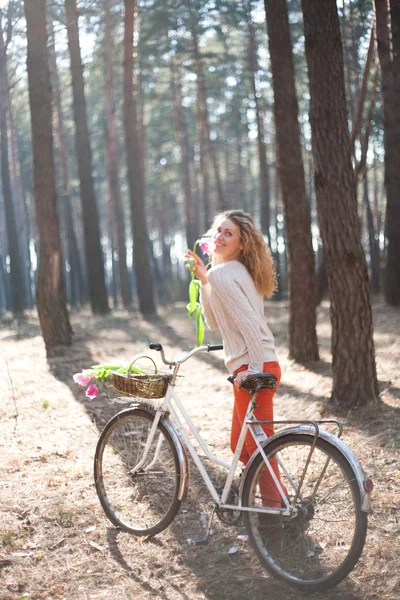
[[203, 541]]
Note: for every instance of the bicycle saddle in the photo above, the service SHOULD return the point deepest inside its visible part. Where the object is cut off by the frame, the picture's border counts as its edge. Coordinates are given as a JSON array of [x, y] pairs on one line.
[[257, 381]]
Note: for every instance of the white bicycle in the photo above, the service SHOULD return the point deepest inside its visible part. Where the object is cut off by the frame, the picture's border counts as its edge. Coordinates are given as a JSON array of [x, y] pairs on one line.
[[312, 541]]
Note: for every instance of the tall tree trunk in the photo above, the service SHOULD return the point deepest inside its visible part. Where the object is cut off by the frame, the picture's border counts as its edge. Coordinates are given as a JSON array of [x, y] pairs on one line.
[[203, 163], [303, 344], [264, 179], [377, 189], [17, 185], [372, 241], [355, 130], [76, 283], [364, 142], [139, 228], [347, 63], [17, 281], [183, 141], [353, 359], [94, 253], [50, 295], [112, 169], [241, 198], [390, 68], [203, 113]]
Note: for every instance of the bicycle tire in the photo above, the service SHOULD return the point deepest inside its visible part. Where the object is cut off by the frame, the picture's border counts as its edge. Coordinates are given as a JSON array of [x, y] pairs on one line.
[[320, 546], [145, 502]]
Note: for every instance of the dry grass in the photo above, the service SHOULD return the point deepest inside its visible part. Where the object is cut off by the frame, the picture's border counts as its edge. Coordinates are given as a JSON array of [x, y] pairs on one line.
[[55, 541]]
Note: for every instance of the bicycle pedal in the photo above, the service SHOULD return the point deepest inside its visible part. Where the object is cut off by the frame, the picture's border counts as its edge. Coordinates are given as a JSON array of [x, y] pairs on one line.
[[199, 541]]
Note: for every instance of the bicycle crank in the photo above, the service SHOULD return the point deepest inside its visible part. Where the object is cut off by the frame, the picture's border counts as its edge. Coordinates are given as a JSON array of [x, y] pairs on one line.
[[228, 515]]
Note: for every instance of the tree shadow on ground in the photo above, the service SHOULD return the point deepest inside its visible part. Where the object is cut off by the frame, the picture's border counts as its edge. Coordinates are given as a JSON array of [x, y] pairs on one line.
[[66, 361], [21, 331], [218, 575], [368, 420], [152, 329]]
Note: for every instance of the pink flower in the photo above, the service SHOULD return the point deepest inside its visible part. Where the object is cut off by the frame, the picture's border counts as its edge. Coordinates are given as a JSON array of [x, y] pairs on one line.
[[207, 245], [83, 379], [92, 391]]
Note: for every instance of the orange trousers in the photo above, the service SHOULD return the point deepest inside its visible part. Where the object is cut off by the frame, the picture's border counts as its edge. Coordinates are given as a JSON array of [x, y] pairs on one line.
[[263, 412]]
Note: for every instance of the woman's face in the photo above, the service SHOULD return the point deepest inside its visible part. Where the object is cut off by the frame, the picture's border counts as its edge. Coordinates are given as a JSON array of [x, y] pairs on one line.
[[227, 241]]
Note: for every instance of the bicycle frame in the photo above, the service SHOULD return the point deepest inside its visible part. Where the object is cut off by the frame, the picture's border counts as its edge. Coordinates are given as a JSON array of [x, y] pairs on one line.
[[179, 414], [172, 405]]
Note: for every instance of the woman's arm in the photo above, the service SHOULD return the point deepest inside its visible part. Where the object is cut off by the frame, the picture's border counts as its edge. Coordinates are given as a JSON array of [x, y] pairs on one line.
[[205, 296]]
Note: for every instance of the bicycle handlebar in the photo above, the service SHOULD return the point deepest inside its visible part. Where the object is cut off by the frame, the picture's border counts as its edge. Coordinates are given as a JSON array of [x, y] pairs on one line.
[[209, 348]]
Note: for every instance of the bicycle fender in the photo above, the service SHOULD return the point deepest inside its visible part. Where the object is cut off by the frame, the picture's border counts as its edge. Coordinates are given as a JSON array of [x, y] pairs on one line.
[[332, 439], [182, 456], [183, 459]]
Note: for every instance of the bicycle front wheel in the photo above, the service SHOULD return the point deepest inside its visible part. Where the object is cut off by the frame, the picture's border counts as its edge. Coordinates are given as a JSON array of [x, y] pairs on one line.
[[319, 546], [141, 498]]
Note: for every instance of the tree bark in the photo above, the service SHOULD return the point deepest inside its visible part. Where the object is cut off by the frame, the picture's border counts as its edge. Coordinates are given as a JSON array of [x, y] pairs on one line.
[[117, 211], [372, 240], [183, 141], [50, 295], [203, 117], [390, 69], [353, 358], [16, 277], [94, 253], [25, 234], [364, 142], [303, 344], [355, 130], [139, 228], [264, 179], [240, 195], [76, 284]]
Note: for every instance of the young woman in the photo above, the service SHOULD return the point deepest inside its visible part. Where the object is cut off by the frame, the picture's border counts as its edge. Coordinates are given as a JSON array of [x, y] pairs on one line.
[[232, 298]]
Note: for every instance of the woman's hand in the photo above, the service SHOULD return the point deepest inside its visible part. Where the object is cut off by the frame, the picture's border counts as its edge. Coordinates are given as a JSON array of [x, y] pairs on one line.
[[199, 267], [239, 378]]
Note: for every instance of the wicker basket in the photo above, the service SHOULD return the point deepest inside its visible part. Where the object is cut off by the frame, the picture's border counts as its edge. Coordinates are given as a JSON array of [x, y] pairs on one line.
[[143, 386]]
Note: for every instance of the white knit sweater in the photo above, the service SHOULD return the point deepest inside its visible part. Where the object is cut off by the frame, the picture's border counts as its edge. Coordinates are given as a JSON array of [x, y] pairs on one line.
[[231, 303]]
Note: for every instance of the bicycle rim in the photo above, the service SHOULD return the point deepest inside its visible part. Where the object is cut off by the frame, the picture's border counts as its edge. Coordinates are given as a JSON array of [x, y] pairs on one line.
[[142, 501], [319, 546]]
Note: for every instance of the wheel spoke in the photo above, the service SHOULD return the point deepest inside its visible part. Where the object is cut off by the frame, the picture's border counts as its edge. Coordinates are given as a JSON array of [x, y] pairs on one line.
[[320, 544], [144, 500]]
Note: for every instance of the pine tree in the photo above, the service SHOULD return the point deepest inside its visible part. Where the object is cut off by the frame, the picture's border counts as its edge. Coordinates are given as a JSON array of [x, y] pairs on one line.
[[353, 358], [50, 295]]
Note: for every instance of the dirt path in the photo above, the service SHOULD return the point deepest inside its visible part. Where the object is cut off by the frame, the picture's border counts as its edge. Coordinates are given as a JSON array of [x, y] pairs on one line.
[[55, 541]]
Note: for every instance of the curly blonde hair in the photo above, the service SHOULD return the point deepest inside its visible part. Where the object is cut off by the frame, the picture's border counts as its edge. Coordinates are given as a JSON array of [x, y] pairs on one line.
[[256, 255]]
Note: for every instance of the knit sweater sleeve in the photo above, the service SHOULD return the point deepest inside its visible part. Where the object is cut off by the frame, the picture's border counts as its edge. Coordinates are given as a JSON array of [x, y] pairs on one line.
[[205, 301], [237, 305]]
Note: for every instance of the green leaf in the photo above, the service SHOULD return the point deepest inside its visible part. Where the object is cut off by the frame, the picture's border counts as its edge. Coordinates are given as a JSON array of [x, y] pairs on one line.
[[193, 294], [133, 369], [199, 325], [190, 311]]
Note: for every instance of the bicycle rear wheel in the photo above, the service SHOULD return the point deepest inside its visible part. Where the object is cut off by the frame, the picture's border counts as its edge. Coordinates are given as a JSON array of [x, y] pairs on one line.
[[320, 545], [141, 501]]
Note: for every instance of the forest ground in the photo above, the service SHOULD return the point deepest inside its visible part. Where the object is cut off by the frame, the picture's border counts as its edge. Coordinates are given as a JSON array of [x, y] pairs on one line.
[[55, 541]]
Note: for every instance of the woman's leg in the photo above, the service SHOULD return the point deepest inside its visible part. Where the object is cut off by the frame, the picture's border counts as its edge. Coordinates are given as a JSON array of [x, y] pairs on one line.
[[263, 412], [237, 421]]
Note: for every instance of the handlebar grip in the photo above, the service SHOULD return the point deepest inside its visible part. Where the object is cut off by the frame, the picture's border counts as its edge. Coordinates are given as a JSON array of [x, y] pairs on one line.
[[211, 347], [157, 347], [231, 378]]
